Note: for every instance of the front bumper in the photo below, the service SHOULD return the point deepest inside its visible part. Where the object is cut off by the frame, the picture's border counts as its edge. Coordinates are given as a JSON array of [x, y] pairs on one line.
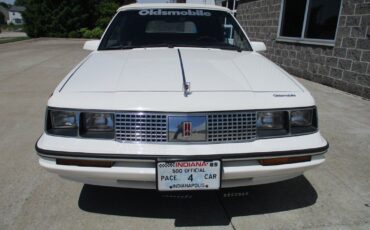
[[142, 174], [135, 164]]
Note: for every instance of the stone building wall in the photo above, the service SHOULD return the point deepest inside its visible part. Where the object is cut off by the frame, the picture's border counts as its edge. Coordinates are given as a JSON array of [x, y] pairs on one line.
[[346, 66]]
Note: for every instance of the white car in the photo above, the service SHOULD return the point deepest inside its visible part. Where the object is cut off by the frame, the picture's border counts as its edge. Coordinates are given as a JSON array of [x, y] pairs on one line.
[[170, 100]]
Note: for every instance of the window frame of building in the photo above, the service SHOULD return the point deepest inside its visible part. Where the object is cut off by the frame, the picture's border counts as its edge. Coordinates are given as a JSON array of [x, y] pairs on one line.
[[302, 39]]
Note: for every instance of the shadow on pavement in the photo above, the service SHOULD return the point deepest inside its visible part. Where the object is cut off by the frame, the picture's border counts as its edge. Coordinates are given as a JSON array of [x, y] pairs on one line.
[[199, 208]]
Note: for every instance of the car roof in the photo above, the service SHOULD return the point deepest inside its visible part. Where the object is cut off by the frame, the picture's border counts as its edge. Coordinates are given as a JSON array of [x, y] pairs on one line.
[[136, 6]]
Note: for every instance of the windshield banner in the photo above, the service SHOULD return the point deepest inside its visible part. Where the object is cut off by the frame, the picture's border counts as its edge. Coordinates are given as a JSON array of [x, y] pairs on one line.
[[161, 12]]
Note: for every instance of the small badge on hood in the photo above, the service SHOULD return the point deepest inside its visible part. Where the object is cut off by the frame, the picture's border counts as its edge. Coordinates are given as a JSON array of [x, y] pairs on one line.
[[284, 95]]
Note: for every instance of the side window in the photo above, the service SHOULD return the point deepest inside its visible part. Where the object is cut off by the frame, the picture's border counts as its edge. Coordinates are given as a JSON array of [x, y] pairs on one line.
[[232, 36], [229, 34], [309, 19], [116, 34], [115, 37]]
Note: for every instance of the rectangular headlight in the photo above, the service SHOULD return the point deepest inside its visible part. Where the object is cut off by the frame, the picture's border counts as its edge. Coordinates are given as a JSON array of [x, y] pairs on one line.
[[272, 123], [97, 125], [301, 117], [303, 121], [63, 123]]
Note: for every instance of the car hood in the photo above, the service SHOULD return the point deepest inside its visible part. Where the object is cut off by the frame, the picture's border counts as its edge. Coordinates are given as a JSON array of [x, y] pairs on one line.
[[160, 70]]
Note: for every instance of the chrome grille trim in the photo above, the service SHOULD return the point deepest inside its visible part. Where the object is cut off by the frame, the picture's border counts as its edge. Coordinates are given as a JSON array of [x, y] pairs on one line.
[[141, 127], [222, 127]]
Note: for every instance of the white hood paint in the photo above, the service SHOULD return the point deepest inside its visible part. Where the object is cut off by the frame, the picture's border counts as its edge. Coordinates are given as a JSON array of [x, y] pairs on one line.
[[128, 71], [219, 70], [151, 80], [159, 70]]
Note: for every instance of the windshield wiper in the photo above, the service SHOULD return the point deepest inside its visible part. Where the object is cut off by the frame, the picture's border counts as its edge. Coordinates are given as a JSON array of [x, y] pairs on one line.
[[225, 47], [169, 45], [213, 46], [121, 47]]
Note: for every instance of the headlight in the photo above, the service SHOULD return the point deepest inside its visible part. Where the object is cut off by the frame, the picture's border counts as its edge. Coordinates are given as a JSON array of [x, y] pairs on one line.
[[83, 124], [97, 125], [301, 118], [303, 121], [63, 123], [272, 123]]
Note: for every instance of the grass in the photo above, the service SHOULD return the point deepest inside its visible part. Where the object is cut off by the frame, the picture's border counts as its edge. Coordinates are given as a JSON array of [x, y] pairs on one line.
[[11, 27], [12, 39]]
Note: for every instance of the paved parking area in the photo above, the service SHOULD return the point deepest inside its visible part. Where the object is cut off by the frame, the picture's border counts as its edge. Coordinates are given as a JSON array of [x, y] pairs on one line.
[[334, 196]]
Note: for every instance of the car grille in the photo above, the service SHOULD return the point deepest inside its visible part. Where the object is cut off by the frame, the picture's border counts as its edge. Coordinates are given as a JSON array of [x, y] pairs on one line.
[[153, 127], [231, 127], [141, 127]]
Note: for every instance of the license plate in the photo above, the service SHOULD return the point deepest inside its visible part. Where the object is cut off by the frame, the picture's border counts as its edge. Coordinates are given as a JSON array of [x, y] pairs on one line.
[[188, 175]]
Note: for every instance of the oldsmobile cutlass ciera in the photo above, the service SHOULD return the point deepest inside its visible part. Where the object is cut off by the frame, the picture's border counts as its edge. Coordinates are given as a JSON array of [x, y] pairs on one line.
[[176, 97]]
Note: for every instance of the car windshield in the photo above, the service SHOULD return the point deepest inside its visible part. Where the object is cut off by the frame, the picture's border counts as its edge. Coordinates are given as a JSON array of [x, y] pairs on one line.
[[174, 27]]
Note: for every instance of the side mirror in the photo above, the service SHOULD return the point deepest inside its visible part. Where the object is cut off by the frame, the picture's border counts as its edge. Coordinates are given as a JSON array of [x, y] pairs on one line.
[[258, 46], [91, 45]]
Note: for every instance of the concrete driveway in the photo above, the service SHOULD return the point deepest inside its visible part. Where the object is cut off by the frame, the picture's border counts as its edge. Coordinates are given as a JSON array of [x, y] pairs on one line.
[[334, 196]]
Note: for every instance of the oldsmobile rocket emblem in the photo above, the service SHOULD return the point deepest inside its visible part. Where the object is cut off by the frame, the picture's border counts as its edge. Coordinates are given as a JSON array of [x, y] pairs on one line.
[[187, 128]]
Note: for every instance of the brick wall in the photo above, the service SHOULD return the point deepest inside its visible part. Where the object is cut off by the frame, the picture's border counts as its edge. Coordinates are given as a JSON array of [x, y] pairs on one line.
[[346, 66]]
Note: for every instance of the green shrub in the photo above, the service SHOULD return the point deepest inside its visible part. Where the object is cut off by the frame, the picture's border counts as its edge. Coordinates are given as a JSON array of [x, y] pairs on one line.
[[97, 32], [87, 34], [12, 27], [74, 34], [83, 30], [94, 33]]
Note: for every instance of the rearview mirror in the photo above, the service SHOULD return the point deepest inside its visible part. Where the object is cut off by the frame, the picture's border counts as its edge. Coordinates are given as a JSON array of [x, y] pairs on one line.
[[258, 46], [91, 45]]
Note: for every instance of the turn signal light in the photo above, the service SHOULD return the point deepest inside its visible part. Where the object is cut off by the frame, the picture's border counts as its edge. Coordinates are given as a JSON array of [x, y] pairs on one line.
[[284, 160], [86, 163]]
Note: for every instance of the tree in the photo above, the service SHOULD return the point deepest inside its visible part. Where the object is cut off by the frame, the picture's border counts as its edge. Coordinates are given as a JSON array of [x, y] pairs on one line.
[[65, 18], [3, 4], [20, 2], [54, 18], [106, 10], [2, 19]]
